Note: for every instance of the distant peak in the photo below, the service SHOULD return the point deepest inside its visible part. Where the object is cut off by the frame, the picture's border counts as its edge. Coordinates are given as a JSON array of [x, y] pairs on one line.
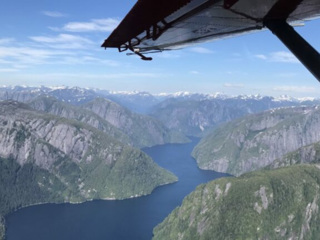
[[285, 98], [57, 87], [131, 93]]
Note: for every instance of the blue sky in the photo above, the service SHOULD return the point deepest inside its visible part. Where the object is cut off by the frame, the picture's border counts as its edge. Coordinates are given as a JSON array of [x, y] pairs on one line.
[[58, 42]]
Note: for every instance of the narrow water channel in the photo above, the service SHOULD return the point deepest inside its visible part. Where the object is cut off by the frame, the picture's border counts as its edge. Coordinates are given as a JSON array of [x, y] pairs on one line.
[[132, 219]]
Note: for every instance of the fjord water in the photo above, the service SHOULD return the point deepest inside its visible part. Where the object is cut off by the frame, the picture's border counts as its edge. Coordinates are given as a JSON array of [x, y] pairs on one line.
[[122, 219]]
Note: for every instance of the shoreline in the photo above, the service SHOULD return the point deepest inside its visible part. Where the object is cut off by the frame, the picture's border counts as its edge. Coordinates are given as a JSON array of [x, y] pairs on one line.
[[74, 202]]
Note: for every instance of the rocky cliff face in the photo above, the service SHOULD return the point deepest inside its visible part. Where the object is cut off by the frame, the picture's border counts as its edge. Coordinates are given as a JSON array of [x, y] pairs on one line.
[[144, 131], [2, 228], [45, 158], [304, 155], [196, 116], [255, 141], [29, 135], [53, 106], [88, 162], [277, 204], [189, 114]]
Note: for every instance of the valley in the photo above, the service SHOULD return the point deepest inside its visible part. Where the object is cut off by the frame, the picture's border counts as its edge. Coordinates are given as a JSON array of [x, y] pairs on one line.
[[63, 144], [132, 218]]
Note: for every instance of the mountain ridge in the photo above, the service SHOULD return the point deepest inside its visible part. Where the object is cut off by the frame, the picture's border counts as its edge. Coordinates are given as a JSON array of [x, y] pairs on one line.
[[274, 204], [255, 141], [49, 159], [141, 129]]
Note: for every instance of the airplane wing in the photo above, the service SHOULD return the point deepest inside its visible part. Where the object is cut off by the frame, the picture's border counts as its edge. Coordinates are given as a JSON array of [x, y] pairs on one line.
[[157, 25]]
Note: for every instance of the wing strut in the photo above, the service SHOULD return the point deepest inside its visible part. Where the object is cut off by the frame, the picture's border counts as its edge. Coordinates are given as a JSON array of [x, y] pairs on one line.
[[308, 56], [276, 21]]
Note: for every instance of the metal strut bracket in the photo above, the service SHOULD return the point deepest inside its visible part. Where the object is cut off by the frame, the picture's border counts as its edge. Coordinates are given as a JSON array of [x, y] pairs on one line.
[[296, 44], [136, 51], [143, 57]]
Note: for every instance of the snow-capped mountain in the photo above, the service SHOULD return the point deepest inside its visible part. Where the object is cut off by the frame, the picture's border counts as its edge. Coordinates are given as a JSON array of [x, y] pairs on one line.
[[145, 102]]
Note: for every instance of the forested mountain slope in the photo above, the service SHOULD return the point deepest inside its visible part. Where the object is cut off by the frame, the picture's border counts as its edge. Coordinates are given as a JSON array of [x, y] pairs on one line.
[[255, 141], [143, 130], [275, 204], [45, 158]]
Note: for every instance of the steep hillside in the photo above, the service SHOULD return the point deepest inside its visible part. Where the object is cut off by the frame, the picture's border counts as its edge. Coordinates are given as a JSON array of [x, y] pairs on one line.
[[305, 154], [139, 102], [44, 158], [53, 144], [144, 131], [2, 228], [196, 116], [276, 204], [53, 106], [255, 141], [192, 114]]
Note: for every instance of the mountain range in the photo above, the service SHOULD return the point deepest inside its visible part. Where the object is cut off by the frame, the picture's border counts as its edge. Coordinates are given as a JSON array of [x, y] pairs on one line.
[[255, 141], [196, 117], [126, 126], [47, 158], [190, 114], [140, 102], [278, 199], [73, 144]]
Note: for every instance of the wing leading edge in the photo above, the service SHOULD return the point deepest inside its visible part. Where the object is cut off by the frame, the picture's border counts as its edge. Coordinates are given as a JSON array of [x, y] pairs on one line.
[[167, 24]]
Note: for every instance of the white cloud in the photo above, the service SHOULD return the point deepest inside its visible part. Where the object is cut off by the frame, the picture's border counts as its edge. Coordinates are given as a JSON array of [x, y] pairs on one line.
[[286, 75], [128, 75], [80, 76], [6, 70], [168, 55], [60, 38], [261, 56], [26, 51], [194, 72], [233, 85], [201, 50], [76, 60], [26, 56], [5, 41], [3, 61], [295, 89], [56, 50], [95, 25], [281, 56], [63, 41], [237, 73], [54, 14]]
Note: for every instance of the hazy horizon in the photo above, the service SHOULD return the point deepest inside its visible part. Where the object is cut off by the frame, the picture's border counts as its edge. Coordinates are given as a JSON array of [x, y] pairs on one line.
[[58, 43], [180, 93]]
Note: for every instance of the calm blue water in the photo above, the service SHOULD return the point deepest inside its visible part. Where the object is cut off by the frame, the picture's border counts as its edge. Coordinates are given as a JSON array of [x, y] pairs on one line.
[[132, 219]]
